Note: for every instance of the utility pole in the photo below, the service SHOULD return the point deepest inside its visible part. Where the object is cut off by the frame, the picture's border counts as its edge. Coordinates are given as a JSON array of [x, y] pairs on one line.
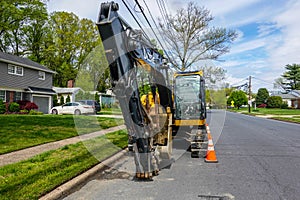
[[249, 102]]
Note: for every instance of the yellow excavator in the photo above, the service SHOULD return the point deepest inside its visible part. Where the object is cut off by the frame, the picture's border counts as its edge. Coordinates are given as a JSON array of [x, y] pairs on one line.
[[155, 111]]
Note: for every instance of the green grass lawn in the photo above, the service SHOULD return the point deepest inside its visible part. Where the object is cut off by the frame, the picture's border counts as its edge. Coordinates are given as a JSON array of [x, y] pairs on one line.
[[110, 111], [288, 115], [34, 177], [277, 111], [288, 119], [22, 131], [268, 111]]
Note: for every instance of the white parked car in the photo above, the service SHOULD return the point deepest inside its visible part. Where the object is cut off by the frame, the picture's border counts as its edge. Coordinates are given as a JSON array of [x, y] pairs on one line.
[[76, 108]]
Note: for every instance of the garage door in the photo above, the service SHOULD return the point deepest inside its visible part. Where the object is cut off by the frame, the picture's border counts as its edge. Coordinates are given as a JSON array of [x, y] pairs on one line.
[[42, 103]]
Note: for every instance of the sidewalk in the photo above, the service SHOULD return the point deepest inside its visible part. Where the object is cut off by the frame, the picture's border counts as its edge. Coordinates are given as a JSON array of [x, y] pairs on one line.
[[24, 154]]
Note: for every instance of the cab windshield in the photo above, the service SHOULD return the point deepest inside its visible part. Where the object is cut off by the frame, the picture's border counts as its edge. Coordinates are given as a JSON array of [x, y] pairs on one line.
[[187, 97]]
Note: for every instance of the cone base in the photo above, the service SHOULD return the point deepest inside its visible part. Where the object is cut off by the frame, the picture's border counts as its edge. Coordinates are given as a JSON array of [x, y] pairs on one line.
[[211, 161]]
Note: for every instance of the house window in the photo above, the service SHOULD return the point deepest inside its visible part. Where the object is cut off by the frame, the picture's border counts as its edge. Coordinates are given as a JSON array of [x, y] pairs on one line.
[[41, 75], [16, 70], [18, 96], [19, 70], [11, 69], [2, 95]]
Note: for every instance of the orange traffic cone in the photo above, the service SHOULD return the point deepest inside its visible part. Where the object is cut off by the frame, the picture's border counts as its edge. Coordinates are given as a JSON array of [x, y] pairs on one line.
[[210, 154]]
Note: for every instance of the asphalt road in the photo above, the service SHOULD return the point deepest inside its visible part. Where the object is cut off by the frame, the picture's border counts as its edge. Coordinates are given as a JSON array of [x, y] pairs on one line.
[[258, 158]]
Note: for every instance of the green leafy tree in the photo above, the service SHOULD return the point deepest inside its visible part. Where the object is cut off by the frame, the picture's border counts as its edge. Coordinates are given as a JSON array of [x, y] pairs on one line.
[[218, 98], [94, 70], [191, 38], [104, 82], [85, 95], [292, 75], [69, 42], [262, 96], [17, 16], [62, 100], [274, 102], [207, 97], [239, 97], [68, 99], [79, 95], [97, 97], [228, 90], [55, 100], [37, 36]]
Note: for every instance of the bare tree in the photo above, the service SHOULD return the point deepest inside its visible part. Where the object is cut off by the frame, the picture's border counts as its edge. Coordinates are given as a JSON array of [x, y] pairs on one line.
[[191, 39]]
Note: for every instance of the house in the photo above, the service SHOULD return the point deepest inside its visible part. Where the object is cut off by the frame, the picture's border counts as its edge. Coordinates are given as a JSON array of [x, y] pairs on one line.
[[292, 98], [65, 92], [287, 98], [23, 79]]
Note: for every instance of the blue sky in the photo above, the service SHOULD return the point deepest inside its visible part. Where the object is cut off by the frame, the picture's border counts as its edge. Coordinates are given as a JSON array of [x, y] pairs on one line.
[[268, 32]]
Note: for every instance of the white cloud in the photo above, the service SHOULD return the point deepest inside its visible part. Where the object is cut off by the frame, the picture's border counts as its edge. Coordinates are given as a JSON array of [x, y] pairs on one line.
[[235, 81], [247, 46], [266, 29], [83, 9], [288, 44], [222, 8]]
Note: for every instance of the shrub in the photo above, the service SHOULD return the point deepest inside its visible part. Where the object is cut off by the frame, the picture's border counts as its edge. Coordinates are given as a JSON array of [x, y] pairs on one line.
[[23, 111], [284, 105], [34, 112], [274, 102], [97, 97], [2, 107], [14, 107], [22, 104], [62, 100], [262, 105], [30, 106], [68, 99], [55, 100]]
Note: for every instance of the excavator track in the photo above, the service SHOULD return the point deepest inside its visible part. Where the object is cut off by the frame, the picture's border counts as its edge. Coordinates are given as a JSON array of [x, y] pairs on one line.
[[199, 142]]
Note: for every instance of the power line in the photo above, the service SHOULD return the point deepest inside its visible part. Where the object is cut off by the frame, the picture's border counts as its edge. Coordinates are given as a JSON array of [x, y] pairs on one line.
[[145, 34], [162, 46], [239, 82], [263, 81], [142, 11], [163, 11]]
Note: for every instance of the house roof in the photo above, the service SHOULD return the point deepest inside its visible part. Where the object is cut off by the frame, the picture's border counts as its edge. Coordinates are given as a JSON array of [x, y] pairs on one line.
[[59, 90], [286, 96], [24, 62], [41, 90], [295, 93]]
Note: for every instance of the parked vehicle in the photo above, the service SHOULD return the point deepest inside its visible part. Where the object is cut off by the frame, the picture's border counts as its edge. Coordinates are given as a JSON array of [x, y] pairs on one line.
[[76, 108], [93, 103]]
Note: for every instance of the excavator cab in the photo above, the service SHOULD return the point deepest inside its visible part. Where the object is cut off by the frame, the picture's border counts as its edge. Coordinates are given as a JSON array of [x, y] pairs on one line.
[[189, 93], [190, 111]]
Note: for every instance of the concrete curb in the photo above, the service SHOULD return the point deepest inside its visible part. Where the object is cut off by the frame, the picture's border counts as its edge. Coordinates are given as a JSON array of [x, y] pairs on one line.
[[66, 188]]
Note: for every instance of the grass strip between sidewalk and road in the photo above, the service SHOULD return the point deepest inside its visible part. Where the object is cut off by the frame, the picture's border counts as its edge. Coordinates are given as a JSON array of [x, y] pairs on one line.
[[288, 119], [34, 177], [276, 111], [22, 131], [267, 111]]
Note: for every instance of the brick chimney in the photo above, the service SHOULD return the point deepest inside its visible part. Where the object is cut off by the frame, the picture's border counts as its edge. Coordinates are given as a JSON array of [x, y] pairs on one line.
[[70, 83]]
